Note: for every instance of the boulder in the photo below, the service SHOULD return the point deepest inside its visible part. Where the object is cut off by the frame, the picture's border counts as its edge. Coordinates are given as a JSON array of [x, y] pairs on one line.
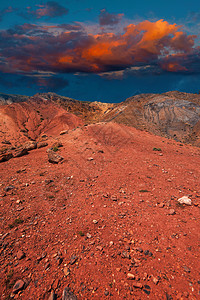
[[6, 142], [54, 157], [20, 152], [185, 200], [30, 145], [5, 156], [42, 144], [20, 255], [63, 132], [9, 188], [57, 144]]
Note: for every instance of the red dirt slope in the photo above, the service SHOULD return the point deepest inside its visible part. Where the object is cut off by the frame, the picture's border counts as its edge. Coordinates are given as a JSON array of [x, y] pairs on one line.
[[23, 121], [105, 222]]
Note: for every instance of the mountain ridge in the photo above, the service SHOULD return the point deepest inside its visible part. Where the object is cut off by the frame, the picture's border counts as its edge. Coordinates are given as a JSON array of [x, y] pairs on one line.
[[172, 114]]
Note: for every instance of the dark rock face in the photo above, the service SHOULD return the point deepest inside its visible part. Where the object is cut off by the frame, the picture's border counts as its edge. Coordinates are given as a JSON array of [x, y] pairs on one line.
[[175, 118]]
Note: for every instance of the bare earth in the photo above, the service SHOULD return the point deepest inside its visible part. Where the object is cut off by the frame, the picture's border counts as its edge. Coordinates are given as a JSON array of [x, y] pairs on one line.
[[104, 222]]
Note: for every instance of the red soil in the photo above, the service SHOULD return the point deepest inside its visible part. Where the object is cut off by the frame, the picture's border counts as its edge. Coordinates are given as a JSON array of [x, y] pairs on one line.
[[22, 121], [110, 174]]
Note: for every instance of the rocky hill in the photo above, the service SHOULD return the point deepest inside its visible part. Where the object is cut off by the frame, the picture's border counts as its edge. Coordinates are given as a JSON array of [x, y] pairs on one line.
[[31, 119], [173, 115]]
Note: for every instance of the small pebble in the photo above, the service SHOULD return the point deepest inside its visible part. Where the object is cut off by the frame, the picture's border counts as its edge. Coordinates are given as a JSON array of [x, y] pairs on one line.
[[171, 212]]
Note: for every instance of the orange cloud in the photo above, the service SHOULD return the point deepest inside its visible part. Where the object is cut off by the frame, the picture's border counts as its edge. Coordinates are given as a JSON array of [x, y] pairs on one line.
[[140, 43], [65, 59], [53, 49], [175, 63], [173, 67]]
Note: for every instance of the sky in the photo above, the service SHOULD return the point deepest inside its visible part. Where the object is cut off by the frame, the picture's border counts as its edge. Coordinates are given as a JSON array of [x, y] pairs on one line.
[[99, 50]]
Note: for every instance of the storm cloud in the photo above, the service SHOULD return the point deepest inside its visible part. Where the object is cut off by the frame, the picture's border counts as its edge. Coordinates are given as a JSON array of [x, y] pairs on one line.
[[69, 48]]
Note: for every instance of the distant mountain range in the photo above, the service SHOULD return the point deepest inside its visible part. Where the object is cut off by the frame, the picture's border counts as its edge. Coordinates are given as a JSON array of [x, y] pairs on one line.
[[173, 115]]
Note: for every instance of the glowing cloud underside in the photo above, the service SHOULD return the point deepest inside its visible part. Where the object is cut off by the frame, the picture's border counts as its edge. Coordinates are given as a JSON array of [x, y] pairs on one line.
[[29, 48]]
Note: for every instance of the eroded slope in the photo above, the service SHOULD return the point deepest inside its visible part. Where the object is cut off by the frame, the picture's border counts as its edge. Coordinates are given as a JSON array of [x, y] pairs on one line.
[[105, 222]]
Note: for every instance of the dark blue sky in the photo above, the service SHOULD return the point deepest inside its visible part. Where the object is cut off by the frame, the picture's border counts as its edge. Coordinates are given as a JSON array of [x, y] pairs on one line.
[[99, 50]]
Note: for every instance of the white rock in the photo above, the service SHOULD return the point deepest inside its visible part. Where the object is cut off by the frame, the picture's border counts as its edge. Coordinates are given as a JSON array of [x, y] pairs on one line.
[[185, 200], [130, 276], [63, 132]]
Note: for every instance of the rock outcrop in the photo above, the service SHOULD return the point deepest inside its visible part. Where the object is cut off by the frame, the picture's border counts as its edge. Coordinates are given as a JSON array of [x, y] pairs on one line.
[[171, 117], [5, 156]]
